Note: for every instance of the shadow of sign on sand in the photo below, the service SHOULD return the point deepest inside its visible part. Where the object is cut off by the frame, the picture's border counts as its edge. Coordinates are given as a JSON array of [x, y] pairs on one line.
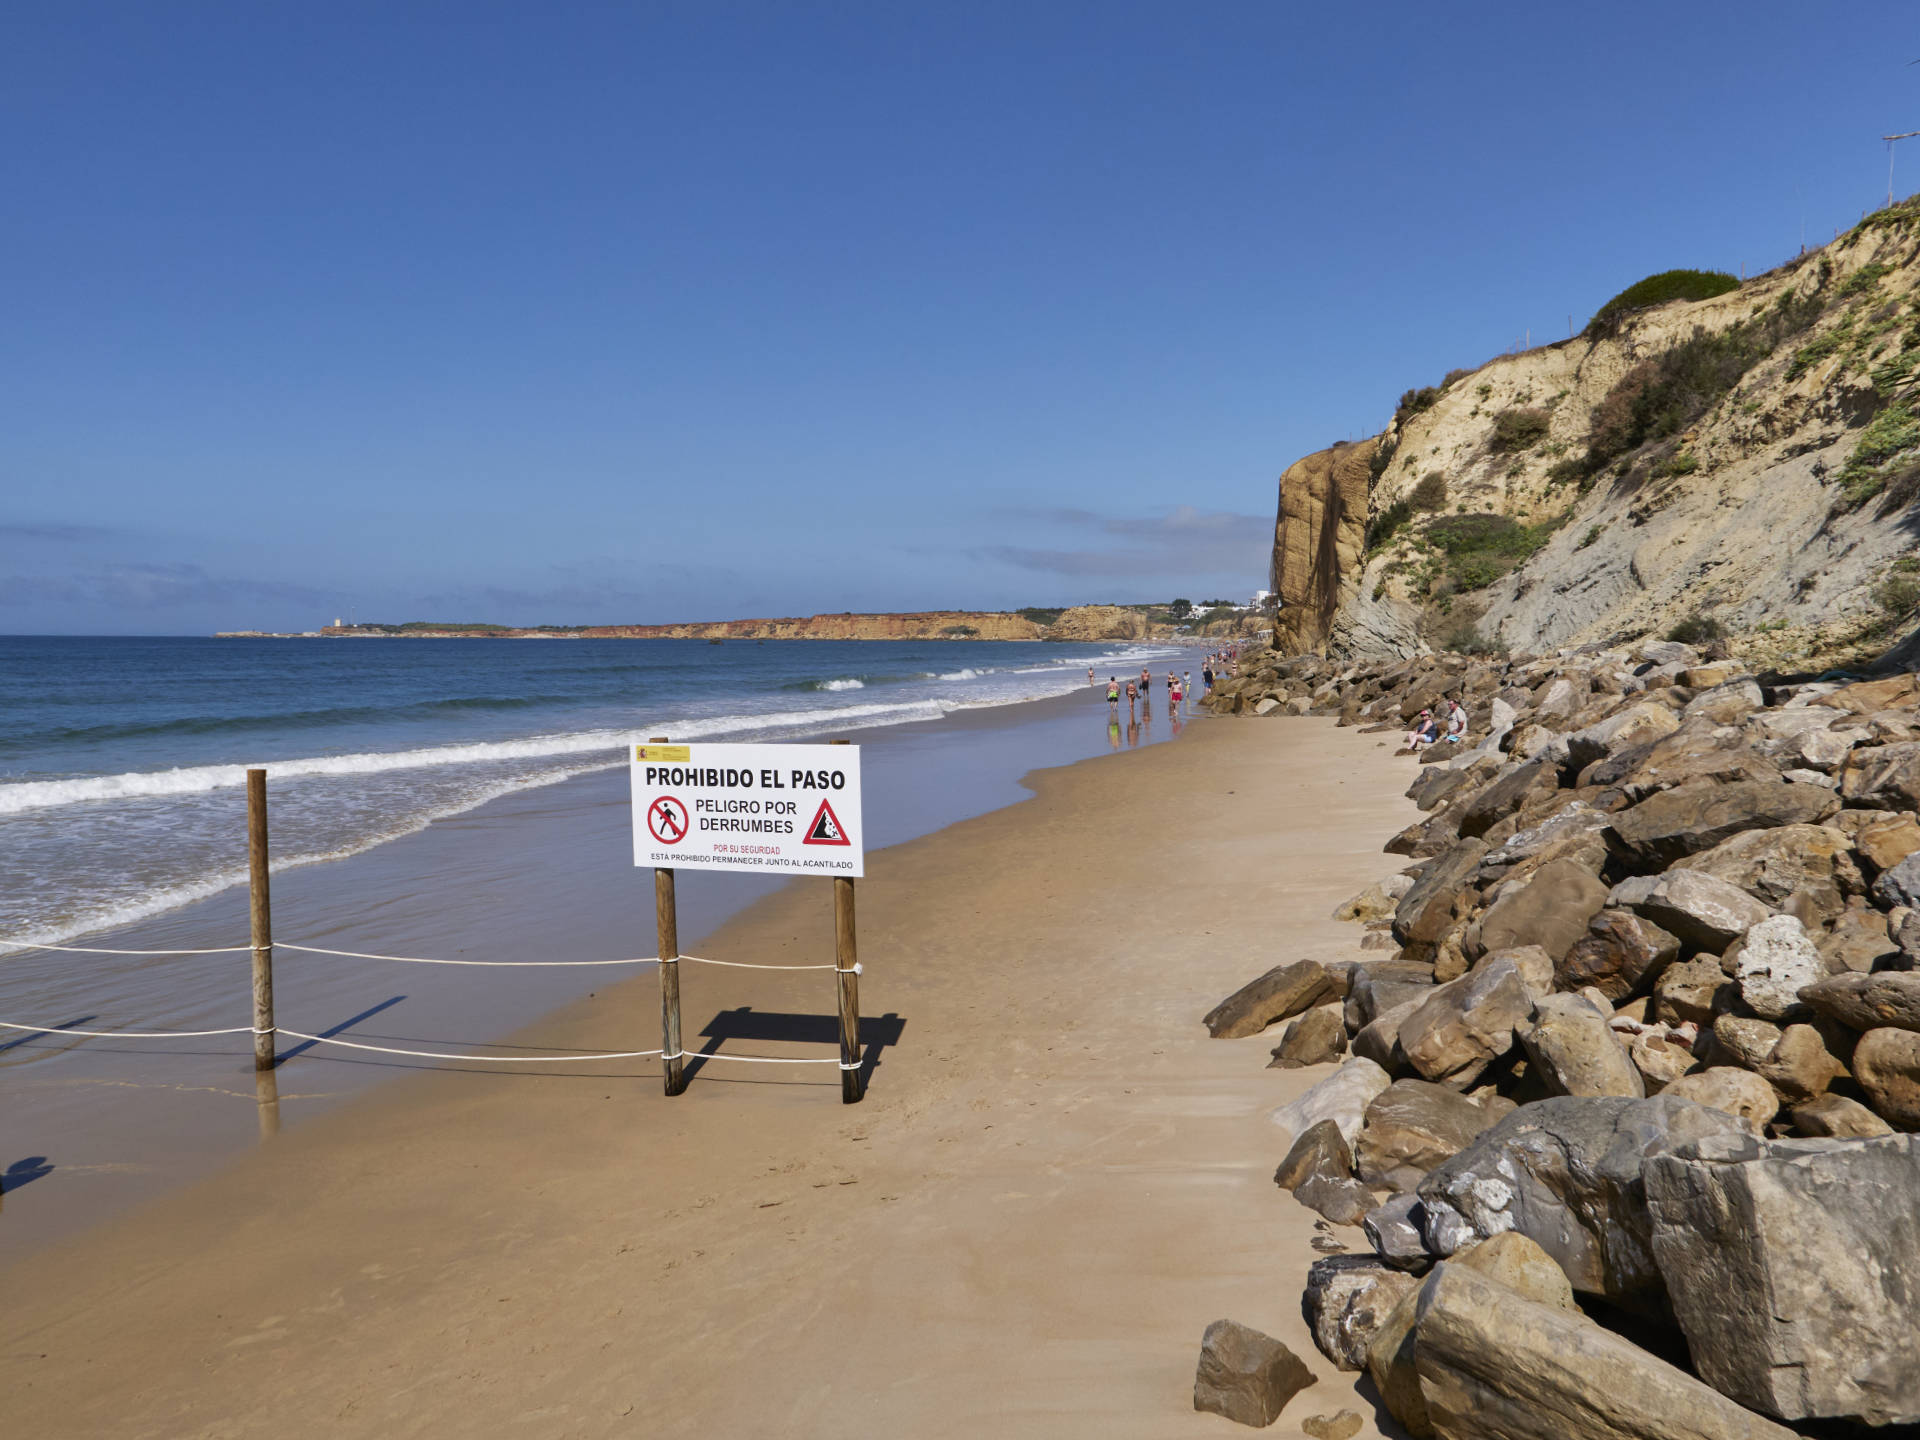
[[877, 1032]]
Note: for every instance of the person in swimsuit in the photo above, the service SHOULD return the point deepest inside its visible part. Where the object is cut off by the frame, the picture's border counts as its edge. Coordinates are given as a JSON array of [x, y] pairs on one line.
[[1113, 692]]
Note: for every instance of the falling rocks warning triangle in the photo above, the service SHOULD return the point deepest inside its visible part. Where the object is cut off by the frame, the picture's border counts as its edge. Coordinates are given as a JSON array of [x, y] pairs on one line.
[[826, 828]]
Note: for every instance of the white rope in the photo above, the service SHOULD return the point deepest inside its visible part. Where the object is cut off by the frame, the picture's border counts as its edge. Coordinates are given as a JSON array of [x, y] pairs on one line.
[[132, 1034], [496, 1059], [543, 964], [92, 950], [485, 964]]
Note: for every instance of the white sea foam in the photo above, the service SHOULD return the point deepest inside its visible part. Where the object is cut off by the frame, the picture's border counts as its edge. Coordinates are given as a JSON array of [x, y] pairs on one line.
[[848, 684], [967, 674], [199, 779]]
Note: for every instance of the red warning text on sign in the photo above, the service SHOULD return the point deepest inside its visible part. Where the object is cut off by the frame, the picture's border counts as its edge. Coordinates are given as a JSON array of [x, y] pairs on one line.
[[773, 809]]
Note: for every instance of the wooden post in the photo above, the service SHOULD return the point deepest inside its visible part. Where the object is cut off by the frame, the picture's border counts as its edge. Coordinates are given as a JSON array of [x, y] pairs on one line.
[[263, 1031], [846, 957], [666, 916]]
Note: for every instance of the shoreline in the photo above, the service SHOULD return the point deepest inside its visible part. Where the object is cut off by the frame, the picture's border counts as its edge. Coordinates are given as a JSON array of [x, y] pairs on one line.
[[540, 873], [1047, 1182]]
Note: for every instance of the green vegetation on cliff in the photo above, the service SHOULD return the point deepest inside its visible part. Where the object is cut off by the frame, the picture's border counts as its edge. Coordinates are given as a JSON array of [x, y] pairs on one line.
[[1658, 290]]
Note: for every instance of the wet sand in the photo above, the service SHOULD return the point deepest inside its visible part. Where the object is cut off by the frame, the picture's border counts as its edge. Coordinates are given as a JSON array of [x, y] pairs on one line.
[[1055, 1182]]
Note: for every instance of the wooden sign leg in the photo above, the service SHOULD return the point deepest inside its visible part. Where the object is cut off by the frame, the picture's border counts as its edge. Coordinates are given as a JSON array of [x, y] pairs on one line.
[[261, 910], [845, 958], [666, 917]]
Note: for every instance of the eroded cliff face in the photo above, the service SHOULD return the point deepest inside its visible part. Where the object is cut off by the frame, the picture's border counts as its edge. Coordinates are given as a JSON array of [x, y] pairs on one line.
[[1780, 506], [1317, 541]]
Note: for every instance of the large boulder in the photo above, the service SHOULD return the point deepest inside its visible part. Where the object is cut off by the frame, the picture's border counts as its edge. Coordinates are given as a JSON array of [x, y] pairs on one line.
[[1885, 841], [1636, 725], [1342, 1097], [1733, 1091], [1775, 964], [1318, 1037], [1836, 1117], [1690, 992], [1428, 910], [1794, 1270], [1621, 954], [1320, 1149], [1246, 1376], [1551, 910], [1704, 911], [1494, 1365], [1379, 1039], [1699, 752], [1566, 1173], [1506, 795], [1886, 1062], [1461, 1027], [1801, 1065], [1513, 1262], [1865, 697], [1397, 1232], [1857, 941], [1377, 989], [1674, 824], [1868, 1002], [1412, 1126], [1346, 1298], [1771, 865], [1726, 702], [1284, 990], [1899, 883], [1883, 777], [1575, 1052]]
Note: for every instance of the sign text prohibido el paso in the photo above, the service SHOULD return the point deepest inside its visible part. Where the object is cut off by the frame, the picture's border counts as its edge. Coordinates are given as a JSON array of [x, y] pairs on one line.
[[774, 809]]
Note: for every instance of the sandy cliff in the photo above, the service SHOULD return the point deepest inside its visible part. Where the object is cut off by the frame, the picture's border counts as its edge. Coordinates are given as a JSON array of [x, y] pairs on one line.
[[1748, 460]]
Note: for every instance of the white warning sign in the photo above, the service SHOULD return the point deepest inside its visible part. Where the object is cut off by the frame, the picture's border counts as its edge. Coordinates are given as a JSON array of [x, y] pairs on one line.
[[792, 809]]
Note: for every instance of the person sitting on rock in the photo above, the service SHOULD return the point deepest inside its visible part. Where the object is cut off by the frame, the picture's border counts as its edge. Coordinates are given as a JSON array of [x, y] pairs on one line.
[[1425, 731], [1456, 723]]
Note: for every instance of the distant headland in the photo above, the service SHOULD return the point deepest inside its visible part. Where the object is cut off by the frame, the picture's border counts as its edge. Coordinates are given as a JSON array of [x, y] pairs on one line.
[[1178, 619]]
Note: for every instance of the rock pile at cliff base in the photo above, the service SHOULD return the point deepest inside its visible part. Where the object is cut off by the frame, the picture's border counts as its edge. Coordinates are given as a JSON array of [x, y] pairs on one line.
[[1627, 1062]]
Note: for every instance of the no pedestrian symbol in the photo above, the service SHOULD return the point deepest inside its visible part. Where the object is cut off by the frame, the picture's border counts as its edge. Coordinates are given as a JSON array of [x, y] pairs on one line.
[[667, 819], [826, 828]]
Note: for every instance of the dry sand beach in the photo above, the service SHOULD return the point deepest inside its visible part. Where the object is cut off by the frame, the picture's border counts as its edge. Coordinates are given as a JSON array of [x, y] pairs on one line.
[[1055, 1183]]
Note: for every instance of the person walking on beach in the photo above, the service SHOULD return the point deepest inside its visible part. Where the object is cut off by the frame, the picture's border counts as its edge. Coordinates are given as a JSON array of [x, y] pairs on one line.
[[1187, 689], [1132, 694], [1089, 674], [1146, 681], [1206, 674], [1113, 692]]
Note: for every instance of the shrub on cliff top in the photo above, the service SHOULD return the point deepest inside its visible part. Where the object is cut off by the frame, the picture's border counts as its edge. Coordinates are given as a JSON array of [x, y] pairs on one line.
[[1658, 290]]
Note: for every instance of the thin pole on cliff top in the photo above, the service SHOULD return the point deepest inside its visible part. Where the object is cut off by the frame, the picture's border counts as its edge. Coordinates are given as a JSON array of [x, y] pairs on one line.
[[1903, 135]]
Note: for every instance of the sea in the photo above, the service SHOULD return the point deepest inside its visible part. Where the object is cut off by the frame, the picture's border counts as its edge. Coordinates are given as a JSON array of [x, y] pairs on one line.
[[123, 760]]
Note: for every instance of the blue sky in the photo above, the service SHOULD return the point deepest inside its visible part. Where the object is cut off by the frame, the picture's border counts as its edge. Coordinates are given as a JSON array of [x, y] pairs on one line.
[[577, 313]]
